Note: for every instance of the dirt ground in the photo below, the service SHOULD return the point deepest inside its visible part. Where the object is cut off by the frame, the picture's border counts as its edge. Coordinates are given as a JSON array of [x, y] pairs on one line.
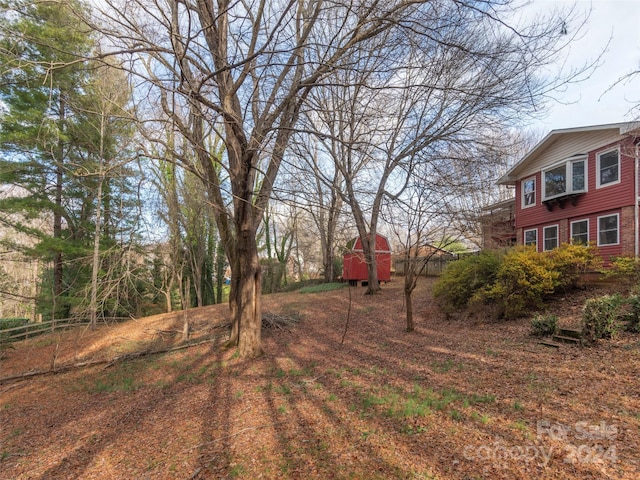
[[460, 398]]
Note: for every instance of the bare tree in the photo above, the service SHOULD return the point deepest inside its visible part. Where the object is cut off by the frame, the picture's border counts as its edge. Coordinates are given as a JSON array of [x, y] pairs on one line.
[[419, 220], [406, 100], [315, 185], [245, 71]]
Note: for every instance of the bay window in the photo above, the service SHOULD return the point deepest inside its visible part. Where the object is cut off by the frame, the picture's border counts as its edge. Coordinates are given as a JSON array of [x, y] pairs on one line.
[[565, 179]]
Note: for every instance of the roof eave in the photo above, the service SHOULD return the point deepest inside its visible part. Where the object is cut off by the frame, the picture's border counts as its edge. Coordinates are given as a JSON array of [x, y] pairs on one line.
[[625, 128]]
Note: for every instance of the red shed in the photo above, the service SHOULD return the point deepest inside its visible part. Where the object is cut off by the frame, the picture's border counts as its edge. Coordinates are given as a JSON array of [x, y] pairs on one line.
[[354, 267]]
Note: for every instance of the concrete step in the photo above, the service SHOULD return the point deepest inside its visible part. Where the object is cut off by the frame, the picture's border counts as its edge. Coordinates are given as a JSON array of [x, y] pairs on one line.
[[570, 332], [550, 344]]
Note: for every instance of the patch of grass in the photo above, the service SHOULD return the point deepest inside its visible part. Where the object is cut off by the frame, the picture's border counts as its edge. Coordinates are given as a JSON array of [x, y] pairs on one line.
[[414, 430], [419, 402], [332, 397], [517, 406], [121, 379], [370, 400], [236, 471], [520, 425], [364, 435], [322, 287], [284, 389], [475, 399], [414, 407], [483, 419], [193, 378], [303, 372], [447, 365], [456, 415], [282, 409]]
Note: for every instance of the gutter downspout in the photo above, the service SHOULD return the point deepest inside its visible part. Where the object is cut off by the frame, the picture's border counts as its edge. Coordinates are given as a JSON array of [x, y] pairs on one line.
[[636, 209]]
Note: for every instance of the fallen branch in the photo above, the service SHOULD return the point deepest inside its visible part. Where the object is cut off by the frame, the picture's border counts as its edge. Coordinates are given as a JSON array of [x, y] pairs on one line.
[[231, 435], [108, 361], [274, 320]]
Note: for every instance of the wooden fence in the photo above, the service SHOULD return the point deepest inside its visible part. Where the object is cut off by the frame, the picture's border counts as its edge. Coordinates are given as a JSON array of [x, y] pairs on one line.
[[434, 265], [32, 329]]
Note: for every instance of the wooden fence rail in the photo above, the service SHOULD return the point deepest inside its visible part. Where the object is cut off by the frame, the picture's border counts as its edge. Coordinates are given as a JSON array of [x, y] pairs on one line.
[[434, 265], [36, 328]]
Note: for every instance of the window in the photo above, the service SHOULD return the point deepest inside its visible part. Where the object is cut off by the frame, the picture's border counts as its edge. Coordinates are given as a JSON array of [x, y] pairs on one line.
[[608, 168], [528, 192], [565, 179], [580, 232], [608, 232], [531, 237], [550, 237]]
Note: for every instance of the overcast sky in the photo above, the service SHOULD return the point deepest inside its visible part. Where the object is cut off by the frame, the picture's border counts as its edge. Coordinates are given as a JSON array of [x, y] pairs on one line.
[[595, 101]]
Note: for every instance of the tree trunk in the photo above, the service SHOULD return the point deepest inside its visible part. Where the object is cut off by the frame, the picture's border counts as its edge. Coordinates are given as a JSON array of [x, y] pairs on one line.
[[408, 301], [96, 259], [57, 214], [248, 308], [369, 247]]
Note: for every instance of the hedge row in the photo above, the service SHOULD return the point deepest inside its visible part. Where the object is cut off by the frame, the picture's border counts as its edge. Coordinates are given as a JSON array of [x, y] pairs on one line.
[[515, 281]]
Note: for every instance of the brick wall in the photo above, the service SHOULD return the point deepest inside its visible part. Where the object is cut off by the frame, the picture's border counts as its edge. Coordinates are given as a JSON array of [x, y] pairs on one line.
[[627, 230]]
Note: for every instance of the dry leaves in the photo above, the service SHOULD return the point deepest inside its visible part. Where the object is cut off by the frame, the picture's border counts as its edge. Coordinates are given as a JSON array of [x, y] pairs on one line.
[[455, 399]]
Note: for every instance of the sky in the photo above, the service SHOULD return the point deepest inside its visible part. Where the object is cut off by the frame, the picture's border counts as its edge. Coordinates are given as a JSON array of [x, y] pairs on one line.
[[612, 25]]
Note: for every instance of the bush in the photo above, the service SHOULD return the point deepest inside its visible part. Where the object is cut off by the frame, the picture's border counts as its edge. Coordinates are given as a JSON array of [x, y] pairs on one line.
[[523, 280], [601, 317], [462, 278], [543, 325], [6, 323], [625, 269], [571, 260], [632, 316]]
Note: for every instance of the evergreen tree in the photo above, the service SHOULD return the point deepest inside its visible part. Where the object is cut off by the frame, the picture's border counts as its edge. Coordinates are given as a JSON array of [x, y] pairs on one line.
[[63, 138]]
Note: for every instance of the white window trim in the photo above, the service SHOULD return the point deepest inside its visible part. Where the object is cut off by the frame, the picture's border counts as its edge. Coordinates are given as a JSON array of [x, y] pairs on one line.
[[598, 155], [544, 237], [524, 236], [568, 163], [617, 215], [535, 189], [578, 221]]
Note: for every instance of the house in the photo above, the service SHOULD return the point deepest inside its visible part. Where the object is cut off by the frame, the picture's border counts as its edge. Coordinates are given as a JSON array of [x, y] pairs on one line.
[[580, 185], [498, 224]]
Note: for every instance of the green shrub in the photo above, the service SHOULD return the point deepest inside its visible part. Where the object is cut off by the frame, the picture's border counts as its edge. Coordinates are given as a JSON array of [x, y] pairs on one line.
[[524, 279], [570, 261], [6, 323], [601, 317], [462, 278], [543, 325], [625, 269], [632, 316]]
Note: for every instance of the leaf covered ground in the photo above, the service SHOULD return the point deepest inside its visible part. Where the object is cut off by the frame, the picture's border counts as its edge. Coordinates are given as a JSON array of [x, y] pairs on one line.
[[461, 398]]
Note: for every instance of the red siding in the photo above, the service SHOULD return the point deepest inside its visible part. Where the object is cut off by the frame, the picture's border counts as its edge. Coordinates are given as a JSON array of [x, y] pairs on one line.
[[355, 268], [592, 204]]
